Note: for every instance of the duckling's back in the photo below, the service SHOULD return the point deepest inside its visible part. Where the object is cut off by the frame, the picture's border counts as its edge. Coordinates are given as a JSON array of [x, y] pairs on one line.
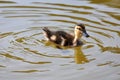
[[60, 37], [52, 35]]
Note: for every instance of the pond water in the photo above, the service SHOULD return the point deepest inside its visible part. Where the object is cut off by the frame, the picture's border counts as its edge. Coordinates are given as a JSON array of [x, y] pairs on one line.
[[25, 55]]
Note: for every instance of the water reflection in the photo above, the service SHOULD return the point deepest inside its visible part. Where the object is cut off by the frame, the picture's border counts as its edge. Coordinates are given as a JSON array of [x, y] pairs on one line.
[[79, 56]]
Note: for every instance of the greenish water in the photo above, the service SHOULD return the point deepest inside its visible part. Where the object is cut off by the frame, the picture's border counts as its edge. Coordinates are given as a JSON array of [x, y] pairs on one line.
[[25, 55]]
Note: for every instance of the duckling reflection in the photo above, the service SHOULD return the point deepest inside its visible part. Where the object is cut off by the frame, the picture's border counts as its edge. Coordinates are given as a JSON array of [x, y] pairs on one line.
[[79, 56], [49, 43], [54, 45]]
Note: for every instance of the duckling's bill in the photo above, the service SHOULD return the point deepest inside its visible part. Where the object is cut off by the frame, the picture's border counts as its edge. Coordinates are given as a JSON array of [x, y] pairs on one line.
[[85, 33]]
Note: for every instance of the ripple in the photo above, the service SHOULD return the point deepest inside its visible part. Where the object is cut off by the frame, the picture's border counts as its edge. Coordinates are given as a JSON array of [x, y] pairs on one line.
[[5, 34], [107, 63], [23, 48], [45, 55], [2, 66], [30, 71], [21, 59], [8, 2], [111, 49]]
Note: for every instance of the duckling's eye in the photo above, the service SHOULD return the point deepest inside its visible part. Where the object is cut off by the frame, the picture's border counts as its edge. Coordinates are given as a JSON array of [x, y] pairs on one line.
[[79, 29]]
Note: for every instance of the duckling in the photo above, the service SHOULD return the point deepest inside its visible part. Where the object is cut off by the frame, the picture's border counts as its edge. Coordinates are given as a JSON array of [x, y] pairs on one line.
[[65, 39]]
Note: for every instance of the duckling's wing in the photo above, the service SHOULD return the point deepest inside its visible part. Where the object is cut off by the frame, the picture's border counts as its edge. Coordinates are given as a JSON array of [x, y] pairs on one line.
[[66, 38], [65, 35]]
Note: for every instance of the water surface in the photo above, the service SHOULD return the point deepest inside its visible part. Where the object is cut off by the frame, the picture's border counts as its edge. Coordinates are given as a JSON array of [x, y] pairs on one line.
[[25, 55]]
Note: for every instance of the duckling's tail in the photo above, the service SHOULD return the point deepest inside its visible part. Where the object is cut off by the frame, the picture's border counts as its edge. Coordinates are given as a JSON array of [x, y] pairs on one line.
[[47, 32], [46, 29]]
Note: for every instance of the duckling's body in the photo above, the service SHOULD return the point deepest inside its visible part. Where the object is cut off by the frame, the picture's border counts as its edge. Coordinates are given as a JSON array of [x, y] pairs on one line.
[[65, 39]]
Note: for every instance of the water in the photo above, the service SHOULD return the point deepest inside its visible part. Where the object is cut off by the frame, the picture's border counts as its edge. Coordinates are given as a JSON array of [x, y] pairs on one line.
[[25, 55]]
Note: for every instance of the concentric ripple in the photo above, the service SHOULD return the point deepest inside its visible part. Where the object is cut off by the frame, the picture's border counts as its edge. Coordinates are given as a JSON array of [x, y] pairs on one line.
[[23, 48]]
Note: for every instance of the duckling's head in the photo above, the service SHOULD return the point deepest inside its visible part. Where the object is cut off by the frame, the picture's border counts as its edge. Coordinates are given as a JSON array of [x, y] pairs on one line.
[[80, 30]]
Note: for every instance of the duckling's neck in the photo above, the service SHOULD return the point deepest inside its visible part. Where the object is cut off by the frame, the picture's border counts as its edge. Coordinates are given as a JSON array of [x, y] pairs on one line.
[[77, 36], [76, 39]]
